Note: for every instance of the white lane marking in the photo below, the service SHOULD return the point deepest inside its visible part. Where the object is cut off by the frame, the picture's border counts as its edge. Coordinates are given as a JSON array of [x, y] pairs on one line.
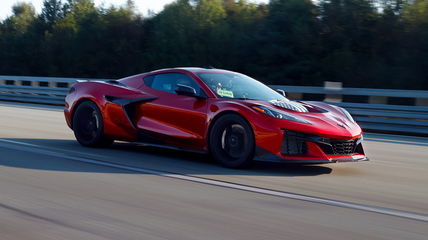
[[20, 143], [331, 202], [33, 106]]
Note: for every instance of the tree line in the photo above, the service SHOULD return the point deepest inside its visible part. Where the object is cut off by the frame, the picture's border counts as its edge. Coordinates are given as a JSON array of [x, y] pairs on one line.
[[362, 43]]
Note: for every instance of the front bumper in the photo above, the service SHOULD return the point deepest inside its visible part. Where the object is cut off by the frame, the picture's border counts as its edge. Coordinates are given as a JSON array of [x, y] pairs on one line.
[[297, 147]]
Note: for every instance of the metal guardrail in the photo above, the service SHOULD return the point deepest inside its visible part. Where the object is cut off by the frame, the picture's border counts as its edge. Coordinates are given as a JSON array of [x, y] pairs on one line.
[[375, 114], [45, 90]]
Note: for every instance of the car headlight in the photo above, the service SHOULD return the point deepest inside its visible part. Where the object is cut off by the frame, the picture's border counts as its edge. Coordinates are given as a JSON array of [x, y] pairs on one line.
[[278, 114], [347, 114]]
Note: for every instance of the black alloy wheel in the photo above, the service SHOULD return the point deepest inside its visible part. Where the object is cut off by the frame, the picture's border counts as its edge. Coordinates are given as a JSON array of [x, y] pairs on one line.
[[88, 125], [231, 141]]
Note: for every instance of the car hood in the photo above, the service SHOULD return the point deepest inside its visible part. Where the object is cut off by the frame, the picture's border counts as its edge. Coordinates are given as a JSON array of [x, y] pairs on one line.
[[290, 105], [324, 119]]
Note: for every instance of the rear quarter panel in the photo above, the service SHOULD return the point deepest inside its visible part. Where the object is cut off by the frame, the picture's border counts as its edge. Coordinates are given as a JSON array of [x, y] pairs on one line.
[[116, 123]]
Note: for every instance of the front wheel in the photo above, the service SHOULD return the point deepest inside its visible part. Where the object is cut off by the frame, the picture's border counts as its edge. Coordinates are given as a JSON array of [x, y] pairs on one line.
[[88, 125], [231, 141]]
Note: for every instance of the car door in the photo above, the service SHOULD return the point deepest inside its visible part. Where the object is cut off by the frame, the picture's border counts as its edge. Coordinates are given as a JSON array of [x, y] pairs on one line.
[[173, 119]]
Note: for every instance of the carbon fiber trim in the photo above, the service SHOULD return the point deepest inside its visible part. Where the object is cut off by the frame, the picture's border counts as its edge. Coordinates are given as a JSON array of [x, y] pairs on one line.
[[127, 105]]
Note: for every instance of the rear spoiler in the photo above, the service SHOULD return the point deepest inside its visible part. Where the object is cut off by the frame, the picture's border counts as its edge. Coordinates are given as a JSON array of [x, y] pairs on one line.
[[109, 81]]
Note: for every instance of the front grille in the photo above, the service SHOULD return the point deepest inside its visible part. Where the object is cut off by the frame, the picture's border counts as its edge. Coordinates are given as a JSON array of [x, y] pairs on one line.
[[338, 146], [343, 147], [295, 143]]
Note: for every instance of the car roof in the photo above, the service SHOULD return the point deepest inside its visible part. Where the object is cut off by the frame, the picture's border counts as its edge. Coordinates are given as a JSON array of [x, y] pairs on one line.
[[193, 69]]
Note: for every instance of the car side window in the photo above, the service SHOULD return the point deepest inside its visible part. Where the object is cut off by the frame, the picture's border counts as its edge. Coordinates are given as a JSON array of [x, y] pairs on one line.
[[167, 82]]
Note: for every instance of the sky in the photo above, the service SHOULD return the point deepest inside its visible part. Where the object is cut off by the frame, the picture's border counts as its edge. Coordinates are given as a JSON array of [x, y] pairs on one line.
[[142, 5]]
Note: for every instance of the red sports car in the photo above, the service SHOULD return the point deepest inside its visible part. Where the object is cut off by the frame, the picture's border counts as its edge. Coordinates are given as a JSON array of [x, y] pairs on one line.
[[235, 118]]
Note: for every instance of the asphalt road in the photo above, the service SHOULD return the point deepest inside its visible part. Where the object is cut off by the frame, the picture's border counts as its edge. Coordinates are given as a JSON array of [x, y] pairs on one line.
[[48, 191]]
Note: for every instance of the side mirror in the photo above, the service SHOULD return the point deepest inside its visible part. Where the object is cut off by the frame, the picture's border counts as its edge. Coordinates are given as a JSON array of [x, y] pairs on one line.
[[282, 92], [185, 90]]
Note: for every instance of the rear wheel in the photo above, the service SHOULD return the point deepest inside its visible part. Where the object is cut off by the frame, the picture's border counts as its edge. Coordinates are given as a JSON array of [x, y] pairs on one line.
[[88, 126], [231, 141]]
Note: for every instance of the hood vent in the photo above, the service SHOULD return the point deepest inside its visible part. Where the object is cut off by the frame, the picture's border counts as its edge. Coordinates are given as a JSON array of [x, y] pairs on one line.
[[295, 106]]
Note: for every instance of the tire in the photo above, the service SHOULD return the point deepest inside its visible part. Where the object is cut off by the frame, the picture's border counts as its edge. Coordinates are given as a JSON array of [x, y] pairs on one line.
[[231, 141], [88, 126]]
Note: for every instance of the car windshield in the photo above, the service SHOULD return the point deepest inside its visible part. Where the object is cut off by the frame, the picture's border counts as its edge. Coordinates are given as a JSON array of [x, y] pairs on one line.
[[238, 86]]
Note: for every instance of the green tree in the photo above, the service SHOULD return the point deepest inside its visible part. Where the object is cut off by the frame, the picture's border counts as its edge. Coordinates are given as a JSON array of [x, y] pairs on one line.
[[171, 36], [415, 44], [363, 43], [243, 21], [23, 16], [53, 10], [123, 41], [287, 43], [16, 45], [348, 31]]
